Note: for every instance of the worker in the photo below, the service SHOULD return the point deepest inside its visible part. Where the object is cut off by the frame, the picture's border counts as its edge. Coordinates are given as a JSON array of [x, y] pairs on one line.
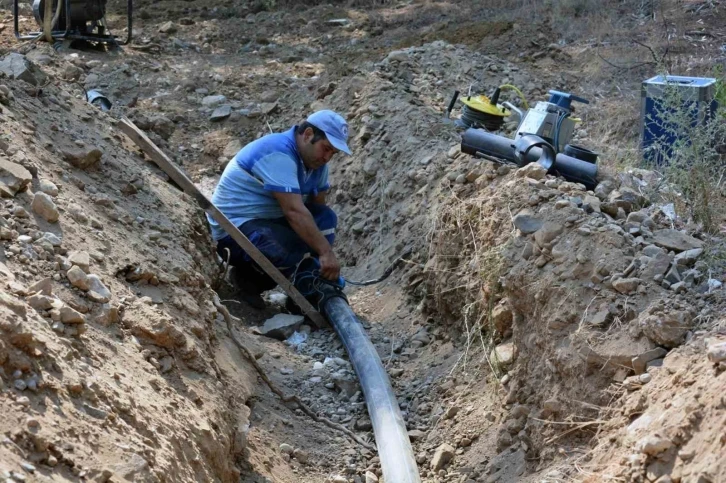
[[274, 191]]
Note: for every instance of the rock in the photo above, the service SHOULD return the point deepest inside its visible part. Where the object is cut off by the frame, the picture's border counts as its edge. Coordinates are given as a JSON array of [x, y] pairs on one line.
[[640, 362], [717, 352], [168, 28], [43, 205], [627, 198], [549, 231], [673, 276], [450, 413], [71, 316], [97, 291], [442, 456], [679, 287], [338, 479], [13, 178], [363, 424], [398, 55], [502, 318], [43, 286], [300, 455], [40, 302], [504, 354], [221, 113], [370, 166], [81, 259], [213, 101], [371, 477], [666, 329], [94, 412], [653, 445], [20, 385], [527, 223], [232, 148], [416, 435], [85, 158], [675, 240], [286, 449], [593, 202], [281, 326], [16, 66], [626, 285], [532, 170], [78, 278], [658, 265], [688, 257]]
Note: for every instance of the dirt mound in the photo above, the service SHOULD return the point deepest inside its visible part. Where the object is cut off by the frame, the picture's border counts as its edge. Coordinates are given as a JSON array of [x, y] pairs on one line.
[[111, 363]]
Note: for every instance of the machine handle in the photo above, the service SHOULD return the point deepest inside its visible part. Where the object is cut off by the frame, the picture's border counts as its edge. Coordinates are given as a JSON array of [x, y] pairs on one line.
[[451, 104], [569, 96]]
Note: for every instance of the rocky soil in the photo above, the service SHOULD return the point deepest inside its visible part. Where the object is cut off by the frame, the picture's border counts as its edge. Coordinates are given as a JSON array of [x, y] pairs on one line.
[[538, 332]]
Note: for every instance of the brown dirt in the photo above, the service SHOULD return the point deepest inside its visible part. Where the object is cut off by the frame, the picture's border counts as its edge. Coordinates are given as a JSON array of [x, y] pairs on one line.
[[150, 387]]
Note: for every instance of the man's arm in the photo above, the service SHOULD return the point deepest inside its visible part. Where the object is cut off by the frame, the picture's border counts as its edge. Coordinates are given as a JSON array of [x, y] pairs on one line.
[[304, 225]]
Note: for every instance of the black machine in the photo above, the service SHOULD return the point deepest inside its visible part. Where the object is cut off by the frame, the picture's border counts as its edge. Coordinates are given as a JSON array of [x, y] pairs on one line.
[[76, 20]]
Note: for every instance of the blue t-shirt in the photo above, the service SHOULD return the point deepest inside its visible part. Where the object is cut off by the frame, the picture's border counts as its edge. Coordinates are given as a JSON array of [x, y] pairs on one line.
[[269, 164]]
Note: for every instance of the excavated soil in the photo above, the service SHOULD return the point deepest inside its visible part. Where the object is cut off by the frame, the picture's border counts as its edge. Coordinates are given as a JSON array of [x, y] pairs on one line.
[[537, 332]]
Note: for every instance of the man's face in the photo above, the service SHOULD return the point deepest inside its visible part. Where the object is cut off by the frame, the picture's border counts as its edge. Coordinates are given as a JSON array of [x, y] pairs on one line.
[[318, 154]]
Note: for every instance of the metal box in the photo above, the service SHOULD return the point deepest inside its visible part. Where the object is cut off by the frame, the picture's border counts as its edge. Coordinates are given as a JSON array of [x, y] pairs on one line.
[[698, 96]]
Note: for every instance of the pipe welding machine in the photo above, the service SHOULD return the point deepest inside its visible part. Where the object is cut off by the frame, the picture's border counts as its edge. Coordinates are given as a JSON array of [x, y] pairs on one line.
[[83, 20], [543, 134]]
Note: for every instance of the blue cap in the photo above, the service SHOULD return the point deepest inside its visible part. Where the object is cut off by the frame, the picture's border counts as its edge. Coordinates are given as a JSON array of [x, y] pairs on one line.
[[334, 127]]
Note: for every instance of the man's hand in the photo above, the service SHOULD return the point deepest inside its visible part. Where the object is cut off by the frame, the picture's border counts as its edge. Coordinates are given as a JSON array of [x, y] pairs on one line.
[[329, 266]]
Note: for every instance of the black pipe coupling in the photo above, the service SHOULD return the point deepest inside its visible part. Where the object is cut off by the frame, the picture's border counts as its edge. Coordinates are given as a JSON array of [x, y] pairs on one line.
[[524, 144]]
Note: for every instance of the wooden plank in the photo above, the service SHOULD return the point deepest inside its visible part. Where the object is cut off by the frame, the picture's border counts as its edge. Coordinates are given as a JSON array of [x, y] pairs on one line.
[[181, 179]]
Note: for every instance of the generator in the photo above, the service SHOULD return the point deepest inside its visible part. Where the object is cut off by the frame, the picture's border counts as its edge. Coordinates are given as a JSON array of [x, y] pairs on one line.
[[83, 20]]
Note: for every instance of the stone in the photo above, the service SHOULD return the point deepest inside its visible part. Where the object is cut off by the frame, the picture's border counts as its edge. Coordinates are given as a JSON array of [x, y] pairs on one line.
[[43, 205], [13, 178], [97, 291], [168, 28], [363, 424], [81, 259], [281, 326], [416, 435], [78, 278], [221, 113], [675, 240], [48, 187], [286, 449], [83, 158], [626, 285], [371, 477], [688, 257], [504, 354], [666, 329], [527, 223], [658, 265], [232, 148], [549, 231], [451, 412], [502, 318], [532, 170], [673, 276], [443, 455], [43, 286], [300, 455], [71, 316], [653, 445], [627, 198], [40, 302], [95, 412], [641, 361], [213, 101], [370, 166], [17, 66], [717, 352]]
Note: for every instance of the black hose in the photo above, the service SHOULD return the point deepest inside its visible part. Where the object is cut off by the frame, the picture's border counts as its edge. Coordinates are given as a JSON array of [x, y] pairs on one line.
[[386, 274], [394, 448]]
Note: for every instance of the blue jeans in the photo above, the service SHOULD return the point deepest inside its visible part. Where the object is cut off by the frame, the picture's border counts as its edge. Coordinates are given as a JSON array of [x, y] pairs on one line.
[[278, 242]]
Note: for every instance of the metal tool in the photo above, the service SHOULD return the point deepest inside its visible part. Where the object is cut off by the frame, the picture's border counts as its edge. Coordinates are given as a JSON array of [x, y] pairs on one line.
[[76, 20], [551, 120]]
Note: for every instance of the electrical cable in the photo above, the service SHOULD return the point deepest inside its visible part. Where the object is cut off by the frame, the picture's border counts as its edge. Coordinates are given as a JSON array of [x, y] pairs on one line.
[[515, 89]]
